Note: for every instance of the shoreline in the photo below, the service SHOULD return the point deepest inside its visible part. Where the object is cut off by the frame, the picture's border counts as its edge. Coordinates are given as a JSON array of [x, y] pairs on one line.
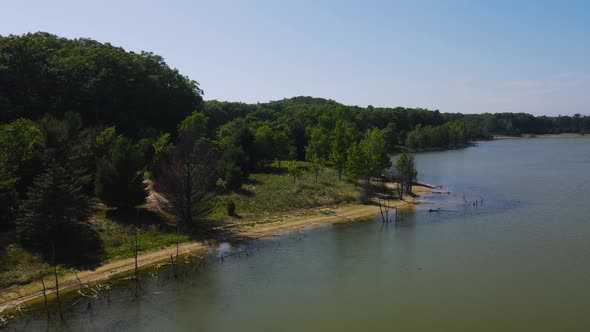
[[562, 135], [14, 296]]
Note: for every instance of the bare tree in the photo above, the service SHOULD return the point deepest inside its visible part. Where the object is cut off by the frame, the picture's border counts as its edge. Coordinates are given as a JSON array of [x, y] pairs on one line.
[[56, 280], [188, 183], [44, 295]]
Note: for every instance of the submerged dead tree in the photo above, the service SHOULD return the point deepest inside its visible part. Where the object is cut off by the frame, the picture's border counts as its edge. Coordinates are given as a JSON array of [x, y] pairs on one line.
[[384, 208]]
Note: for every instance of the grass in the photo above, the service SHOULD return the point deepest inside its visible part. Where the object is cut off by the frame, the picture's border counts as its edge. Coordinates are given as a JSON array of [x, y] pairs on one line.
[[116, 231], [17, 266], [276, 191]]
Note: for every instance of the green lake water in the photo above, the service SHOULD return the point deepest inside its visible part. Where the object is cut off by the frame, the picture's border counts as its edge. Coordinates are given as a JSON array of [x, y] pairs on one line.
[[519, 261]]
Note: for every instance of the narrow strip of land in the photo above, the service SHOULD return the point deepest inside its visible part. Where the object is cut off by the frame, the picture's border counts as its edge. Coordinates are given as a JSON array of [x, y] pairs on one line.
[[562, 135]]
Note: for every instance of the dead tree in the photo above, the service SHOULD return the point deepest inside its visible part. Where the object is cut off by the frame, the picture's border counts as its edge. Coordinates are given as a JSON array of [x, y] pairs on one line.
[[173, 266], [44, 295], [135, 254], [56, 279], [188, 183], [384, 208]]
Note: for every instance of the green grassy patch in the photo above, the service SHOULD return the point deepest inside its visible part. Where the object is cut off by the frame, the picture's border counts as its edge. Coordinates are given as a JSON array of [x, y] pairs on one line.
[[17, 265], [117, 229], [276, 191]]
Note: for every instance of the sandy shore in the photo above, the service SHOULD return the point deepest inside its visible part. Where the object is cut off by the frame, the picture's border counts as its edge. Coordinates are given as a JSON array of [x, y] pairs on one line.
[[14, 296]]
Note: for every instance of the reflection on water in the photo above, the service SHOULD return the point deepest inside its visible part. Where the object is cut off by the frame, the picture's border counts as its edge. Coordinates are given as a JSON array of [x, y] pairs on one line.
[[517, 261]]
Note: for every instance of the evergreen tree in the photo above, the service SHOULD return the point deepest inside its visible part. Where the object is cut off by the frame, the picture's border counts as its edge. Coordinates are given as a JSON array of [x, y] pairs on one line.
[[54, 216], [119, 179]]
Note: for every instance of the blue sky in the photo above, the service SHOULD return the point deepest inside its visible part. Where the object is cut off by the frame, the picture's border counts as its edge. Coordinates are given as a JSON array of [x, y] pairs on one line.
[[455, 56]]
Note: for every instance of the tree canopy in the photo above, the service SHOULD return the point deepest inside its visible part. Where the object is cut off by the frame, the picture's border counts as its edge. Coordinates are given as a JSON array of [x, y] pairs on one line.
[[42, 73]]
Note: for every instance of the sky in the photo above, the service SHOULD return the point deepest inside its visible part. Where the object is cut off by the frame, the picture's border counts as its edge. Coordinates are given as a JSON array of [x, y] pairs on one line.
[[454, 56]]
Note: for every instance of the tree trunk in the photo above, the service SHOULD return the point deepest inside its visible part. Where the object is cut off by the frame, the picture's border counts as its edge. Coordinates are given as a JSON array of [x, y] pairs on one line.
[[56, 281], [44, 295], [173, 267], [135, 254], [177, 237]]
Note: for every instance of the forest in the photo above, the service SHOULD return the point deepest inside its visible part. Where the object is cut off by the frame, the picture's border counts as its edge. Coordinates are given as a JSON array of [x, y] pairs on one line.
[[86, 123]]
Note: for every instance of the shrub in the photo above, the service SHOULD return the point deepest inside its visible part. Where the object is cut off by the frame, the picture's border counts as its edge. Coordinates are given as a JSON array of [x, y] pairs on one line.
[[231, 207], [233, 177]]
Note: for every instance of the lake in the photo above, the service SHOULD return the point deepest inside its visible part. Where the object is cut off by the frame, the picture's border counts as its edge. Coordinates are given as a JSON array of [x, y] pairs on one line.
[[518, 261]]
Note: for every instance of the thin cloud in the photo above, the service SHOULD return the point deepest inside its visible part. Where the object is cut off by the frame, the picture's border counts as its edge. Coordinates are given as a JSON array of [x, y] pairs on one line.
[[523, 84]]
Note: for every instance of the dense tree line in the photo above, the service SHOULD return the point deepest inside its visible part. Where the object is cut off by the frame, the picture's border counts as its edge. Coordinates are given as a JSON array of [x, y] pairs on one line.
[[85, 121], [41, 73]]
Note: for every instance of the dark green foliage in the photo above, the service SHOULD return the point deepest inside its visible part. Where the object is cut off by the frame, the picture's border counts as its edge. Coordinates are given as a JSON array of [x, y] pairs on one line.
[[237, 141], [162, 152], [55, 214], [356, 163], [57, 136], [231, 208], [271, 143], [319, 145], [367, 158], [233, 177], [41, 73], [21, 158], [8, 202], [451, 134], [83, 154], [343, 137], [391, 136], [193, 127], [119, 178]]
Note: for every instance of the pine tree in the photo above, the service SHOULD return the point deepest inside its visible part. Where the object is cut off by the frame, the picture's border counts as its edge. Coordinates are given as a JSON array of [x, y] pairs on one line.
[[54, 215], [119, 179]]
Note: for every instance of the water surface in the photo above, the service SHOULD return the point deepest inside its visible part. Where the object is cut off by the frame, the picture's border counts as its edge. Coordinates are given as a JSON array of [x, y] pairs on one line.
[[519, 261]]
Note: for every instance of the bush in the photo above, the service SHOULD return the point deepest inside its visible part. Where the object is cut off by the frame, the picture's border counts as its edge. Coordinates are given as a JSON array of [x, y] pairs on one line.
[[233, 178], [231, 207], [119, 177]]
